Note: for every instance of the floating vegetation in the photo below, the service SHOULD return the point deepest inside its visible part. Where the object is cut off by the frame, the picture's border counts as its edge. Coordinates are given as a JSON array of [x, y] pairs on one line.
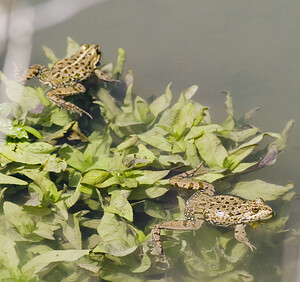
[[79, 196]]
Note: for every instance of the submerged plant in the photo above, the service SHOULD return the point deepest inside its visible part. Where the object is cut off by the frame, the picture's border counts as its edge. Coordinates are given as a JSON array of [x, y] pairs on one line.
[[79, 197]]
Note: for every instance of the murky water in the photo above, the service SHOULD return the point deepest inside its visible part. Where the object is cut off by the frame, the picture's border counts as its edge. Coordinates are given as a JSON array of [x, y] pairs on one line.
[[249, 48]]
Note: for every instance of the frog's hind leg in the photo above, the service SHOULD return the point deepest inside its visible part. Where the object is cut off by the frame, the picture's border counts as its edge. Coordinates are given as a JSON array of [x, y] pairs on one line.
[[32, 71], [185, 180], [56, 96], [241, 235], [183, 225], [189, 173]]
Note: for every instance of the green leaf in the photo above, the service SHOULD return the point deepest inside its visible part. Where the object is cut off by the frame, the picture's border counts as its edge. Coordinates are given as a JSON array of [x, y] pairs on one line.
[[9, 257], [25, 97], [71, 131], [54, 164], [40, 262], [50, 54], [142, 111], [73, 157], [18, 218], [162, 102], [5, 109], [118, 238], [145, 264], [228, 103], [45, 230], [154, 210], [72, 48], [234, 158], [128, 143], [34, 153], [120, 205], [237, 275], [11, 129], [260, 189], [60, 117], [157, 141], [43, 181], [118, 70], [150, 176], [94, 177], [71, 201], [71, 231], [282, 141], [197, 131], [184, 119], [6, 179], [98, 147], [211, 150], [188, 93], [33, 131], [242, 135], [148, 192]]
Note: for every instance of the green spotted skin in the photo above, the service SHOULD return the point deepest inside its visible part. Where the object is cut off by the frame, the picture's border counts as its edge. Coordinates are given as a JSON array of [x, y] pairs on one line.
[[65, 76], [218, 210], [226, 210]]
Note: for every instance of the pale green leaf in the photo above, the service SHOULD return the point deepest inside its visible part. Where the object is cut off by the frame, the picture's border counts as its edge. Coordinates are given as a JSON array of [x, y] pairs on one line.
[[150, 176], [72, 47], [42, 261], [162, 102], [120, 205], [73, 157], [157, 141], [45, 230], [117, 237], [211, 150], [260, 189], [118, 69], [154, 210], [71, 231], [6, 179], [8, 256], [24, 96], [235, 157], [50, 54]]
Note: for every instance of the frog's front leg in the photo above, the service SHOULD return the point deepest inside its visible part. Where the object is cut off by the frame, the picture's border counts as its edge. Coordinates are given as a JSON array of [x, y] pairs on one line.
[[56, 96], [183, 225], [104, 76], [241, 235]]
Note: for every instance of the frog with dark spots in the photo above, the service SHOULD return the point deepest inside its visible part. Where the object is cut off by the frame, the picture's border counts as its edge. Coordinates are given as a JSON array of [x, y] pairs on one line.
[[219, 210], [65, 75]]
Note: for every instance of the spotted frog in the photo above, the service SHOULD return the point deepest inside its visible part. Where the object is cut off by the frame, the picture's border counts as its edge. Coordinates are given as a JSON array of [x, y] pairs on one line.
[[219, 210], [65, 76]]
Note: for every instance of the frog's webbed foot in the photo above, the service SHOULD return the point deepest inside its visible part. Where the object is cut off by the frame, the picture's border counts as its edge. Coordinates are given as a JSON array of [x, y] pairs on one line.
[[241, 235], [183, 225], [56, 96], [104, 76]]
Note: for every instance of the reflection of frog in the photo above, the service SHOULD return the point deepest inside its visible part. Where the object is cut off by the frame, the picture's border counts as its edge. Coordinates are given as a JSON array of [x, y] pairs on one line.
[[65, 75], [220, 210]]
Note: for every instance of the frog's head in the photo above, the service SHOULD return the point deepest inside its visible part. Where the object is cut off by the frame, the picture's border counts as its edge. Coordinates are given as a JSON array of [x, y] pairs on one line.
[[91, 53], [257, 210]]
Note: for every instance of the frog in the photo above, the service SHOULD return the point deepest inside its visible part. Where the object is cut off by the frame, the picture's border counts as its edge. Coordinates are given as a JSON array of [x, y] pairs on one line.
[[65, 76], [218, 210]]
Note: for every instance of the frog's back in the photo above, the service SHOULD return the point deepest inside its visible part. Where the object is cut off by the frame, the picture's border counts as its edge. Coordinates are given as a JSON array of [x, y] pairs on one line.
[[228, 210]]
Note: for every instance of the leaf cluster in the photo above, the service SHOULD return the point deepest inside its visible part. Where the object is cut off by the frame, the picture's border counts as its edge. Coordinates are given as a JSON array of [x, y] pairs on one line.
[[79, 197]]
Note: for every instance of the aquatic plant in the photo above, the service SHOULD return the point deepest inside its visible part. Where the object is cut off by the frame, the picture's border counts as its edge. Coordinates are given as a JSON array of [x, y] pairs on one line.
[[79, 196]]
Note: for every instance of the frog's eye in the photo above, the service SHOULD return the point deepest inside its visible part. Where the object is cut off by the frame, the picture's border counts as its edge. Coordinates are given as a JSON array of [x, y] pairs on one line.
[[255, 209], [85, 46]]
